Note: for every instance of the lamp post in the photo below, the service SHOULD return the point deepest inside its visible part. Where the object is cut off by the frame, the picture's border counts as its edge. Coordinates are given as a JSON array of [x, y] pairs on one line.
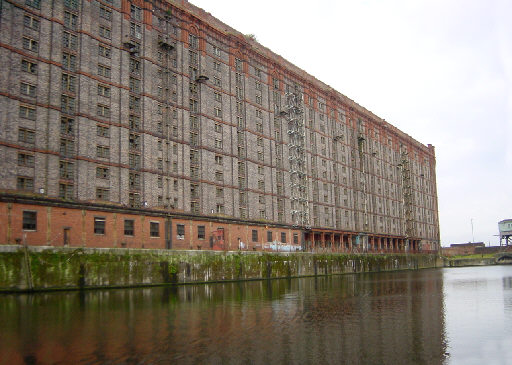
[[472, 232]]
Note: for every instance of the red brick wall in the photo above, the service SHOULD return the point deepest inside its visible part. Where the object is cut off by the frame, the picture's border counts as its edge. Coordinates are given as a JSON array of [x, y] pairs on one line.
[[79, 224]]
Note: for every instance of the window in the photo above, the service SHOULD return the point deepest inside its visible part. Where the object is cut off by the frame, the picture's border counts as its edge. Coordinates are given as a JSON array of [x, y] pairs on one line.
[[134, 122], [30, 44], [259, 114], [219, 192], [134, 200], [261, 184], [66, 170], [105, 32], [180, 230], [134, 103], [69, 62], [103, 111], [102, 172], [218, 160], [218, 127], [67, 125], [134, 85], [102, 151], [28, 112], [102, 130], [216, 66], [102, 194], [201, 232], [25, 183], [26, 135], [217, 81], [65, 191], [269, 236], [29, 220], [134, 180], [68, 83], [104, 71], [134, 66], [258, 85], [261, 156], [136, 12], [219, 208], [31, 22], [70, 20], [66, 147], [129, 227], [135, 30], [283, 237], [104, 51], [69, 41], [73, 4], [216, 51], [104, 90], [67, 104], [154, 229], [193, 41], [254, 235], [258, 99], [259, 127], [99, 225], [218, 143], [295, 239], [29, 67], [219, 176], [218, 96], [105, 13]]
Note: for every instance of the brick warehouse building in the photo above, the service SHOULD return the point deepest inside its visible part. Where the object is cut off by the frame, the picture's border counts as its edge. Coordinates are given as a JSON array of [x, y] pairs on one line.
[[150, 123]]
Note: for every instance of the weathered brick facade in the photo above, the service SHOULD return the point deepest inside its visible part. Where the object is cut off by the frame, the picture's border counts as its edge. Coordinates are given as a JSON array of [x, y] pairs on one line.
[[159, 106]]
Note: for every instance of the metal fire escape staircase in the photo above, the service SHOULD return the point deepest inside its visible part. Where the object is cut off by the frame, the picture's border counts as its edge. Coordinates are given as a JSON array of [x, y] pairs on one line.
[[293, 112], [407, 196], [363, 183]]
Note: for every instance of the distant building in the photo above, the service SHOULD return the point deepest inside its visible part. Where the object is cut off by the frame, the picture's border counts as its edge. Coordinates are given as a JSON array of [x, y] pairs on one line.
[[505, 227], [153, 124], [462, 248]]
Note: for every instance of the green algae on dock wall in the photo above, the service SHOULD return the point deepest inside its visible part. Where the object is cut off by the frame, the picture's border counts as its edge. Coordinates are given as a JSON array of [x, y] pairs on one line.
[[48, 268]]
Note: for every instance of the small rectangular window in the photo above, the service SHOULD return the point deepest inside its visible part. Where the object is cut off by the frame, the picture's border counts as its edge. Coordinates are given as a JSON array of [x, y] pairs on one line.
[[67, 125], [99, 225], [29, 220], [201, 232], [154, 229], [30, 44], [26, 135], [180, 229], [102, 194], [269, 236], [295, 239], [25, 183], [31, 22], [129, 227], [283, 237], [254, 235], [28, 66]]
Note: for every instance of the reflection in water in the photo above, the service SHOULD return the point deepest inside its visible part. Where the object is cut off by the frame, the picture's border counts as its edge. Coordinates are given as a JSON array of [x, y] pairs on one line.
[[393, 318], [478, 312]]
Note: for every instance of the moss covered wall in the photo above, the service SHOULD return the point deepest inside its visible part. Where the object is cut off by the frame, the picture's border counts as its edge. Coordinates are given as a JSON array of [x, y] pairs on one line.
[[45, 268]]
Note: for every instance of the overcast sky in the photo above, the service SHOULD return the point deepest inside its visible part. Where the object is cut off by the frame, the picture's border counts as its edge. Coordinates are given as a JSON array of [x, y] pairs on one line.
[[439, 70]]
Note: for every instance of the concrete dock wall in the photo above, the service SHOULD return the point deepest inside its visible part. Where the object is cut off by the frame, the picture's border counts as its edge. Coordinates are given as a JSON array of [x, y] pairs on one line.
[[47, 268]]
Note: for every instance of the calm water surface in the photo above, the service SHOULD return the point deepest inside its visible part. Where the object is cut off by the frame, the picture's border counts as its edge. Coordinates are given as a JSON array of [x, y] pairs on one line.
[[438, 316]]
